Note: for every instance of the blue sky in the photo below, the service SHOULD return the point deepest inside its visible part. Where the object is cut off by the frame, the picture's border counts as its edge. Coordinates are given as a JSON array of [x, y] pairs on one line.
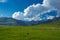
[[10, 6], [29, 10]]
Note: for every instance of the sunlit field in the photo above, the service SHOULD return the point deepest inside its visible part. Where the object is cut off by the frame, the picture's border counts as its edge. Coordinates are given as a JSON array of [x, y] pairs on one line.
[[38, 32]]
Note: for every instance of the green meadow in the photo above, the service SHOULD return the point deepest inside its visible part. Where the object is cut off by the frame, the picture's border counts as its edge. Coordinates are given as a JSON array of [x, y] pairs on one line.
[[49, 31]]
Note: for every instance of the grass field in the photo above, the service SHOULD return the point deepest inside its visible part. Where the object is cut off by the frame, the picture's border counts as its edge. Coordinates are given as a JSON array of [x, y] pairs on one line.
[[38, 32]]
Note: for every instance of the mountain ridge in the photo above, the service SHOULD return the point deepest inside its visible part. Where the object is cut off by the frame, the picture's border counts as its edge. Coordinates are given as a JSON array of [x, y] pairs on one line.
[[14, 22]]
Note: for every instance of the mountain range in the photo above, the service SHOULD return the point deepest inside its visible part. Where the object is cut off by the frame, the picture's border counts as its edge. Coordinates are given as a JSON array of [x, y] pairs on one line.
[[13, 22]]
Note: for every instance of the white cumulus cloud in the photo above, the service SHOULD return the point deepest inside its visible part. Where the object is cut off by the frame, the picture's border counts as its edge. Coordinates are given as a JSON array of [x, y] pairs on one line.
[[53, 3], [33, 10], [18, 15], [39, 11]]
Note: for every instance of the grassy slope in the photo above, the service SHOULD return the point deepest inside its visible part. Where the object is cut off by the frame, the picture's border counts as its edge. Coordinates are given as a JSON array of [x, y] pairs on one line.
[[39, 32]]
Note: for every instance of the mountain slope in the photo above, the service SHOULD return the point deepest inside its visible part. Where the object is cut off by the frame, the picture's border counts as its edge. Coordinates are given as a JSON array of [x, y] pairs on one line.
[[14, 22]]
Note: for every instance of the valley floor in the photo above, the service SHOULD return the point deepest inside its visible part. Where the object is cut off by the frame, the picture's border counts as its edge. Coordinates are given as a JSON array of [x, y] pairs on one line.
[[29, 33]]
